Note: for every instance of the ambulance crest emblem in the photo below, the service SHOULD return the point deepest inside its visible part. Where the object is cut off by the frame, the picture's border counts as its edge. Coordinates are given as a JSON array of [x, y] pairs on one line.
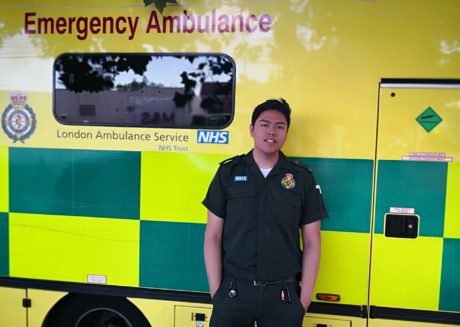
[[18, 119], [288, 181]]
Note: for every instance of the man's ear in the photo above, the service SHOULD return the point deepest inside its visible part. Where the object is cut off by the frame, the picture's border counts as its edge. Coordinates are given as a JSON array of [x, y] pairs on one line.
[[251, 128]]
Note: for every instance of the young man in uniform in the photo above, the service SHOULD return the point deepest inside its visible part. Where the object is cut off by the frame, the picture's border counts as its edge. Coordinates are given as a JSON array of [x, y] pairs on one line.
[[257, 203]]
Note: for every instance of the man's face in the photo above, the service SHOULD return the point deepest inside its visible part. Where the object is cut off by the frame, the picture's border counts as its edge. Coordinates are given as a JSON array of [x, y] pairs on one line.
[[269, 132]]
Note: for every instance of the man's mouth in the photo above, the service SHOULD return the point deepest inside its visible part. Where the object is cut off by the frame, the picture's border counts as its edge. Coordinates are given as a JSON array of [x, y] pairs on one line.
[[270, 141]]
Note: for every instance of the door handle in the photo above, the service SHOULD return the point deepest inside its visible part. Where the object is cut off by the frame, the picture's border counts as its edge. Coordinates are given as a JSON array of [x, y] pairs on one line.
[[401, 225]]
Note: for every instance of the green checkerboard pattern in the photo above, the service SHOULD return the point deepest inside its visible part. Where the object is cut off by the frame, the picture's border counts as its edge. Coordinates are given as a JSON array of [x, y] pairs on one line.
[[75, 182], [422, 186], [450, 285], [107, 184], [4, 256], [347, 190], [413, 184], [171, 256]]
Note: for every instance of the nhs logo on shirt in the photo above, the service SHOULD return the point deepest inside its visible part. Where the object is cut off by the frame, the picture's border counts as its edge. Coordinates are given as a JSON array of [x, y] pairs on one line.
[[217, 137], [240, 178]]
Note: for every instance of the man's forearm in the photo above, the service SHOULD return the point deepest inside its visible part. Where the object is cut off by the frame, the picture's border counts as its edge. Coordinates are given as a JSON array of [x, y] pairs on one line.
[[310, 266], [213, 262], [311, 238]]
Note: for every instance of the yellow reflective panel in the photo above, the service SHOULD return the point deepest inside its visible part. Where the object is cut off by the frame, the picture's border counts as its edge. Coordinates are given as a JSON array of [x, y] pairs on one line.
[[397, 280], [42, 302], [174, 184], [400, 133], [12, 313], [344, 266], [4, 179], [185, 315], [170, 313], [76, 249], [452, 223], [325, 57]]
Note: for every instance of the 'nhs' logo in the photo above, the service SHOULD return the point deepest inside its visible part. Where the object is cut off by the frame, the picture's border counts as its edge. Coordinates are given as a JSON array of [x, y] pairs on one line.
[[219, 137]]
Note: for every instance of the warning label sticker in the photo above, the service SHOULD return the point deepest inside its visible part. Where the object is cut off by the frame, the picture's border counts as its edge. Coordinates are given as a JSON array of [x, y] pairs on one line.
[[429, 119]]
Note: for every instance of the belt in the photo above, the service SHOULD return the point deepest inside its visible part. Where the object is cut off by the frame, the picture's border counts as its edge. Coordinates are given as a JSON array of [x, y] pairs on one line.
[[292, 279]]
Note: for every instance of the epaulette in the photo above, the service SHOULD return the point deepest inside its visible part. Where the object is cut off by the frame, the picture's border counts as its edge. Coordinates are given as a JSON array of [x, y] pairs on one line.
[[299, 164], [234, 159]]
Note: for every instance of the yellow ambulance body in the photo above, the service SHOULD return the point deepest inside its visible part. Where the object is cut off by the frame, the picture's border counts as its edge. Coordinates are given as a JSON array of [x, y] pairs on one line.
[[115, 117]]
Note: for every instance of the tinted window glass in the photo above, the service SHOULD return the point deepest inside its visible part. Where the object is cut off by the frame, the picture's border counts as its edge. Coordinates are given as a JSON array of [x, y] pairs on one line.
[[144, 90]]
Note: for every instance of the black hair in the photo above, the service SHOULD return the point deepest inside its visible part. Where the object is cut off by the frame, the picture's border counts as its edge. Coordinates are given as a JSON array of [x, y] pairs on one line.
[[272, 104]]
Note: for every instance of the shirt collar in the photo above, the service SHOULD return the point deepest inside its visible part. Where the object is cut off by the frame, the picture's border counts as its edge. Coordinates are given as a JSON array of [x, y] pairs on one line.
[[283, 161]]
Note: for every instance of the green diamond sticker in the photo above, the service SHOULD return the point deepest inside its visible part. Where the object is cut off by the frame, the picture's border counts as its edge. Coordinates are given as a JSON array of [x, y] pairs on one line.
[[429, 119]]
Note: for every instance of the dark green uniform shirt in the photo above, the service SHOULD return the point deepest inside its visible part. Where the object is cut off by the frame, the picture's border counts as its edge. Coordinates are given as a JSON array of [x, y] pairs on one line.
[[261, 238]]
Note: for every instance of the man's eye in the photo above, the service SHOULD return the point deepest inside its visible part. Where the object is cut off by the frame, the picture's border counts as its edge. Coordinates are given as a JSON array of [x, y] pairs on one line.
[[264, 125], [280, 127]]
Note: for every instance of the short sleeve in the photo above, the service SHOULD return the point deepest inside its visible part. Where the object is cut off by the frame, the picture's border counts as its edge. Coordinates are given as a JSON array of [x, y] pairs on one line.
[[215, 200], [314, 208]]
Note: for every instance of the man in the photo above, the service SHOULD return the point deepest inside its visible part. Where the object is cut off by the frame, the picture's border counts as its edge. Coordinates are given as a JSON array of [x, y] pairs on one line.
[[256, 205]]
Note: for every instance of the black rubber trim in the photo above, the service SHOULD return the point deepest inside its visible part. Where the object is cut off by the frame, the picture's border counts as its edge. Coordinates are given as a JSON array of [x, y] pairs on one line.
[[350, 310], [419, 81], [415, 315], [137, 292], [159, 294]]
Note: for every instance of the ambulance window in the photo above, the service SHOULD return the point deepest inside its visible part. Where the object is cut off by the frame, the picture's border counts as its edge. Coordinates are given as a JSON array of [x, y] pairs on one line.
[[144, 90]]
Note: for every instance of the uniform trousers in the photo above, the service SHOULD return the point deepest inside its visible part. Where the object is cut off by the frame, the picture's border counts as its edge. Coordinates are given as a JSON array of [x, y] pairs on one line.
[[262, 304]]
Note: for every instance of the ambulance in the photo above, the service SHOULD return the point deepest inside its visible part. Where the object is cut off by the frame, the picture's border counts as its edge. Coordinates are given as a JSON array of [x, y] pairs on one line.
[[116, 115]]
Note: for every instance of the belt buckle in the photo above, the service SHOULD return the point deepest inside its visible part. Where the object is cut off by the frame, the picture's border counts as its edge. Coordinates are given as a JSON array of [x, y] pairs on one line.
[[256, 283]]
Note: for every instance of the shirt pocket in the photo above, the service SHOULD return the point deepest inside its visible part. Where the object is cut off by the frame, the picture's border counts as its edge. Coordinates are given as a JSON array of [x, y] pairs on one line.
[[241, 203], [286, 208]]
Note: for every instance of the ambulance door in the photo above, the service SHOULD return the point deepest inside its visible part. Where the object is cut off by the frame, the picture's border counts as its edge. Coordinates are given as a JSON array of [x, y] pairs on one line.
[[415, 267], [13, 311]]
